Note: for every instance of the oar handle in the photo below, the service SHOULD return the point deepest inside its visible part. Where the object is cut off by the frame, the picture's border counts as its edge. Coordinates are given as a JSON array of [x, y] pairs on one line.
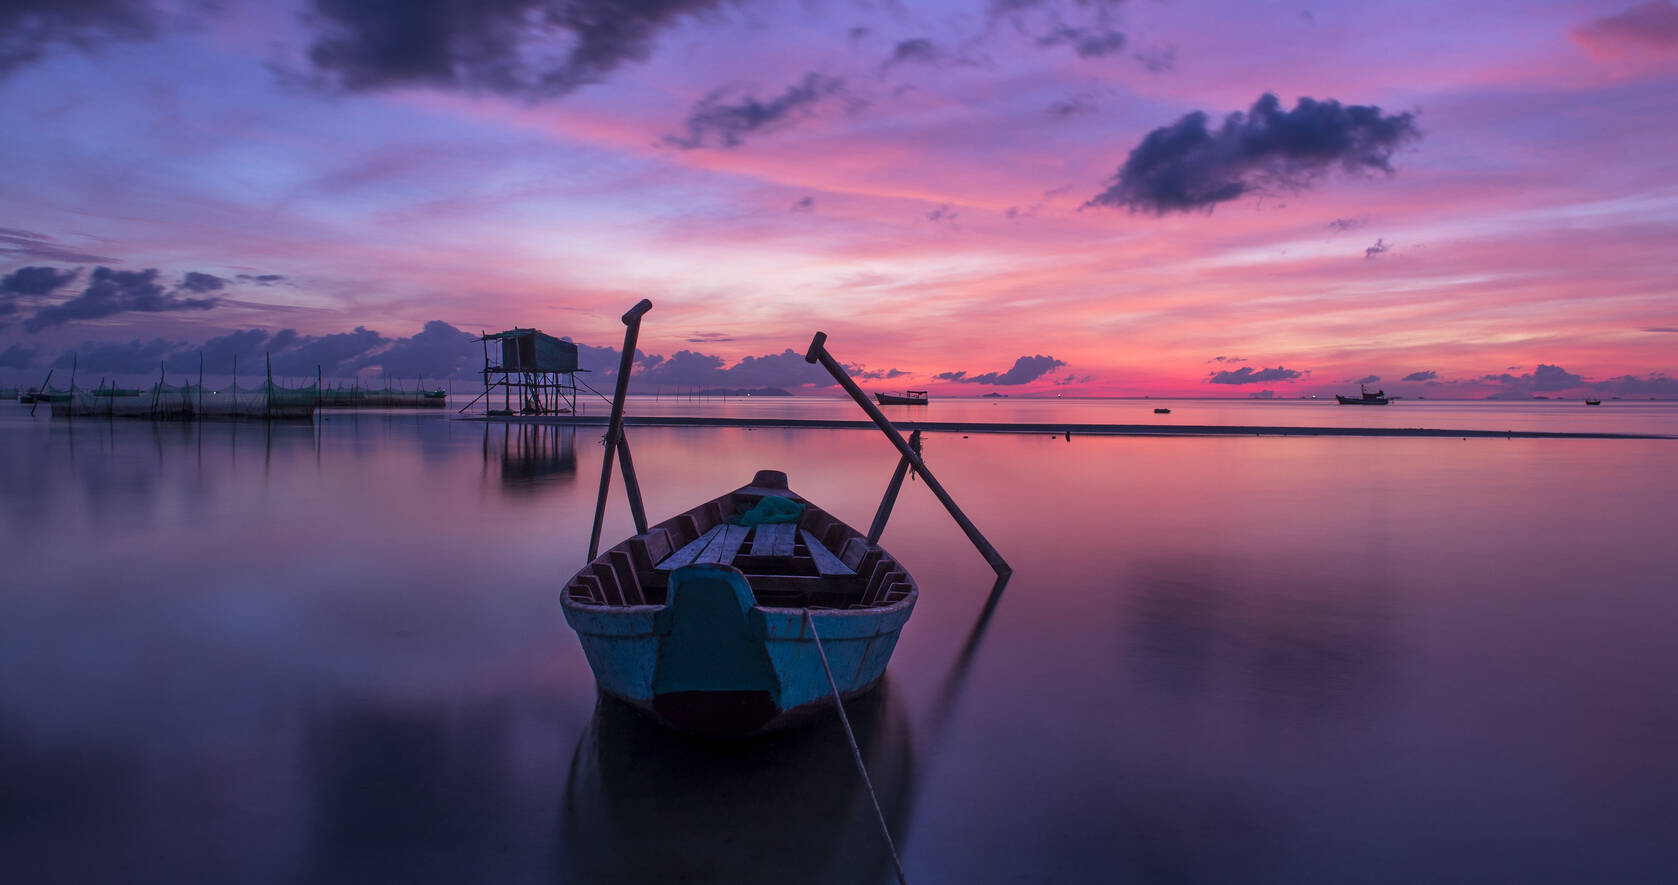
[[634, 313]]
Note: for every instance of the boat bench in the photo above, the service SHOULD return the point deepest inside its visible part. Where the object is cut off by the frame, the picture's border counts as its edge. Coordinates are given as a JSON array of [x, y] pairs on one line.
[[775, 540]]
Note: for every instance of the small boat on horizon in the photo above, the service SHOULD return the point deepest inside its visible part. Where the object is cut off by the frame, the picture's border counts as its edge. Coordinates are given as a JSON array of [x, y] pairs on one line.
[[1378, 398], [1593, 402], [907, 398]]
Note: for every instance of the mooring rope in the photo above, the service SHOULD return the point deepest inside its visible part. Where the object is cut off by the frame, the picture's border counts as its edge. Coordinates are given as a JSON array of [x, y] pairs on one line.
[[603, 397], [856, 754]]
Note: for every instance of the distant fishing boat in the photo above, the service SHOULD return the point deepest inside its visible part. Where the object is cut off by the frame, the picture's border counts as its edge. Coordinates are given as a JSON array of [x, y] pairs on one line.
[[1593, 402], [907, 398], [1162, 411], [753, 610], [1378, 398]]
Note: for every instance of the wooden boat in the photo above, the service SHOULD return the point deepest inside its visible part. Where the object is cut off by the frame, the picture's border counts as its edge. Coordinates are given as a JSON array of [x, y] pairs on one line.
[[706, 625], [753, 610], [907, 398], [1593, 402], [1162, 411], [1378, 398]]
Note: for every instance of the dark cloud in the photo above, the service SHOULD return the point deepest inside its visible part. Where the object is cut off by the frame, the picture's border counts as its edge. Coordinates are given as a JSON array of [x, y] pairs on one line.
[[17, 357], [1424, 375], [1074, 379], [118, 358], [1368, 379], [1249, 375], [689, 368], [1087, 42], [28, 244], [117, 291], [918, 50], [1227, 359], [1655, 384], [724, 125], [1543, 379], [1263, 394], [261, 279], [531, 49], [867, 374], [437, 351], [1379, 247], [1662, 329], [337, 354], [1341, 225], [806, 204], [29, 29], [1025, 370], [942, 213], [1187, 167], [35, 281], [708, 337], [199, 283], [219, 353]]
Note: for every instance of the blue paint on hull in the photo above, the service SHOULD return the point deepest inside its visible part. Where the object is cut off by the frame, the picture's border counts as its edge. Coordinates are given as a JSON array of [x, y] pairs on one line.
[[712, 637]]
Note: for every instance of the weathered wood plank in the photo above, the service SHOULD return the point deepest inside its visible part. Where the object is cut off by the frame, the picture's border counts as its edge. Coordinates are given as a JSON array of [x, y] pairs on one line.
[[629, 583], [690, 551], [724, 546], [608, 583], [774, 539], [826, 562]]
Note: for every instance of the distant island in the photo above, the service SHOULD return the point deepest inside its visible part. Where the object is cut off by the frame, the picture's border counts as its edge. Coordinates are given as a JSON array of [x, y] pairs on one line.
[[993, 395]]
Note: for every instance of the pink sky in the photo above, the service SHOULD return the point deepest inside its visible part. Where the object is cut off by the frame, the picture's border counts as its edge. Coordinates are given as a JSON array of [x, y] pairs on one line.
[[922, 199]]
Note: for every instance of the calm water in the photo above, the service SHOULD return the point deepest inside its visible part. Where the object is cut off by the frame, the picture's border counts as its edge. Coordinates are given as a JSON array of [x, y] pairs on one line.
[[334, 653]]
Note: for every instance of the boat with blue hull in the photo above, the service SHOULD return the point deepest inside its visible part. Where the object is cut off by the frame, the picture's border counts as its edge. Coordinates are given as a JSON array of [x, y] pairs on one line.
[[756, 609], [705, 622]]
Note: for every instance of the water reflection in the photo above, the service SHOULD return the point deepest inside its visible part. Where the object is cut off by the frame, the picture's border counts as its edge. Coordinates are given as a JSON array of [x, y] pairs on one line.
[[410, 793], [532, 457], [646, 805], [1288, 645]]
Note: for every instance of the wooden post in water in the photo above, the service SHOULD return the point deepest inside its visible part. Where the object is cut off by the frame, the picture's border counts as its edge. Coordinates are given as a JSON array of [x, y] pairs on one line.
[[70, 398], [614, 429], [268, 389], [818, 353], [42, 392], [200, 385]]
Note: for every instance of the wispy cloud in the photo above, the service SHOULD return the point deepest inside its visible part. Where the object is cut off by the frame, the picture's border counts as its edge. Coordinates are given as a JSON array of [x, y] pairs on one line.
[[716, 123]]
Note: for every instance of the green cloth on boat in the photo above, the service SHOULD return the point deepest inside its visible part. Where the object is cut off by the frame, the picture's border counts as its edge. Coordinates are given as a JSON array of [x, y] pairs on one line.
[[770, 508]]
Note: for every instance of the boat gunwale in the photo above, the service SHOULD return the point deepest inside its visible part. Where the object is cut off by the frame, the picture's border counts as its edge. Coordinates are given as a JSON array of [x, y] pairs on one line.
[[883, 609]]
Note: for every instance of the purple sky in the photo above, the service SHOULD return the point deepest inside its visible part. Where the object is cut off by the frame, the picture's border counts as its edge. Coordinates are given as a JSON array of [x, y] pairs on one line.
[[1029, 196]]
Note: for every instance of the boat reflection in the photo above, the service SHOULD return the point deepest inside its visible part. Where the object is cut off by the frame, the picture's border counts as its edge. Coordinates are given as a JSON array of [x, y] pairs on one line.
[[645, 804]]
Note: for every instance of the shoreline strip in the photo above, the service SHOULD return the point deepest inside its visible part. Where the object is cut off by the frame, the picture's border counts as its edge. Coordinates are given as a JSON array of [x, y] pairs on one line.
[[1054, 429]]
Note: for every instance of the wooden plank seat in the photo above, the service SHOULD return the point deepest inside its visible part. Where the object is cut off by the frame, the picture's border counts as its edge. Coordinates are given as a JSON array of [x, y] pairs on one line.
[[775, 539], [725, 546], [690, 551], [826, 562]]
